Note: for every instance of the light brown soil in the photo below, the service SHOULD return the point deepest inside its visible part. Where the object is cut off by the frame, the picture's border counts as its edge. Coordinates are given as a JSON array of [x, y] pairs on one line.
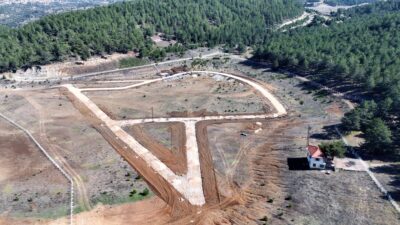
[[335, 110], [83, 199], [65, 133], [175, 160], [247, 172], [210, 187], [167, 134], [72, 67], [157, 183], [146, 212], [189, 96], [215, 200], [24, 170]]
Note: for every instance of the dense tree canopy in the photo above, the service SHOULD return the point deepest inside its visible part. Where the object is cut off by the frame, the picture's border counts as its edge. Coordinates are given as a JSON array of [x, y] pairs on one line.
[[360, 47], [127, 26], [378, 136]]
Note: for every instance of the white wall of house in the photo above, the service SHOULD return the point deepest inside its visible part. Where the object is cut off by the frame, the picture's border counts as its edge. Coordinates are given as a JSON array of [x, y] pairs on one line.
[[316, 163]]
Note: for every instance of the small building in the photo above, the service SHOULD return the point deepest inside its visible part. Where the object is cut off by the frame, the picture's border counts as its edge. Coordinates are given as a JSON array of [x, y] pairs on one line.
[[315, 157]]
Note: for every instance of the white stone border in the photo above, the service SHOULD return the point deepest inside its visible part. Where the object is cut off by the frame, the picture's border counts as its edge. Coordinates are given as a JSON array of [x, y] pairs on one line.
[[190, 184]]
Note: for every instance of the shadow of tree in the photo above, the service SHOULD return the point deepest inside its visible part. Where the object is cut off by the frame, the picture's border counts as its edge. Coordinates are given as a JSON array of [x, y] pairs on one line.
[[394, 171], [329, 133], [352, 91]]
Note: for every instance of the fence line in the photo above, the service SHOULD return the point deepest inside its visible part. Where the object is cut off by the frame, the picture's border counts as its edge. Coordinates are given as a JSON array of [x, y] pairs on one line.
[[66, 175], [371, 174]]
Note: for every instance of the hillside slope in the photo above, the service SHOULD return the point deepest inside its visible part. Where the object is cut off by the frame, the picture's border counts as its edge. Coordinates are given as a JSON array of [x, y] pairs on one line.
[[359, 49], [127, 26]]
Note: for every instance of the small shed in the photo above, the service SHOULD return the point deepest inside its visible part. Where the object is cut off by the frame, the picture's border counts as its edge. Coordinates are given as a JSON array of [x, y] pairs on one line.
[[315, 157]]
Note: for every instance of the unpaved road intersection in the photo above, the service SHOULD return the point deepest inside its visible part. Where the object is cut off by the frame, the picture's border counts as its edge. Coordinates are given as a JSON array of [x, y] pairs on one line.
[[188, 188]]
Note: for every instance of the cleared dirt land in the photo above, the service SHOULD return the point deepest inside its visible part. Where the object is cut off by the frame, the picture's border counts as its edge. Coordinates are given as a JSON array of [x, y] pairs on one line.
[[100, 174], [24, 177], [166, 141], [249, 168], [184, 97]]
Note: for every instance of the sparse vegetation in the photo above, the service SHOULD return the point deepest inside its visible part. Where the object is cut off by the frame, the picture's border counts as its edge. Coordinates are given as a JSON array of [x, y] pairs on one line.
[[131, 62], [145, 192]]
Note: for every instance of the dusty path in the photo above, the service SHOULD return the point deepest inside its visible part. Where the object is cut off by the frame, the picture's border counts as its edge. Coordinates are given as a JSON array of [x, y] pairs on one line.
[[294, 20], [264, 92], [83, 198], [371, 174], [196, 186], [80, 76], [52, 160]]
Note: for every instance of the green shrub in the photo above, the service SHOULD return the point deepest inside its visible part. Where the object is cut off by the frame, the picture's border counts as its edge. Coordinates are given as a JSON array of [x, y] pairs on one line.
[[145, 192]]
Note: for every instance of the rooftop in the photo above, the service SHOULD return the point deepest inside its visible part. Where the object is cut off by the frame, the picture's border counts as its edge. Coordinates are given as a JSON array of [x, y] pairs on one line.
[[315, 151]]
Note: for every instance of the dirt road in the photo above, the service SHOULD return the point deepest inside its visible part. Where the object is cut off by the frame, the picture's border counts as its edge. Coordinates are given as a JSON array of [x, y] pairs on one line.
[[53, 161], [196, 185], [51, 147], [264, 92], [294, 20]]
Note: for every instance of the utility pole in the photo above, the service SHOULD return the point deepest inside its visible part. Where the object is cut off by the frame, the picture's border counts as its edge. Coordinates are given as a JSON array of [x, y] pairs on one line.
[[152, 114], [308, 135], [155, 66]]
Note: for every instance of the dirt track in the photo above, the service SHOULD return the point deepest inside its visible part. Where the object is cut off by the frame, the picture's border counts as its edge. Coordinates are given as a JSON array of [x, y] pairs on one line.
[[184, 187], [52, 149]]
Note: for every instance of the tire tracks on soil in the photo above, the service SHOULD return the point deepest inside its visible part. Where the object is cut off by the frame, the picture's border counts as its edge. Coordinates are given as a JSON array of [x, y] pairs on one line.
[[83, 198]]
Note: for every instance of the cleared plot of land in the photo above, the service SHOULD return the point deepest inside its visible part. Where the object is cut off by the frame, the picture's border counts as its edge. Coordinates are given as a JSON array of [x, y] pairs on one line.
[[205, 186], [327, 9], [184, 97], [167, 141], [168, 134], [100, 174], [25, 175], [256, 167], [62, 69], [247, 168], [147, 212], [251, 162]]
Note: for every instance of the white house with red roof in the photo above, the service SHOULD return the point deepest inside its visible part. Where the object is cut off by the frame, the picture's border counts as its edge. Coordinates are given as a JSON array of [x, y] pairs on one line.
[[315, 157]]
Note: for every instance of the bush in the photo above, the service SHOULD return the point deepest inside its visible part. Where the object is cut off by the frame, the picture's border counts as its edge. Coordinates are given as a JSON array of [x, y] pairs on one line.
[[132, 193], [145, 192], [333, 149]]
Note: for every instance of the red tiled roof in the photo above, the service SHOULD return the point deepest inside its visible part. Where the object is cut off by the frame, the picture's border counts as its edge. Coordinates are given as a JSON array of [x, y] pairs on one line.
[[315, 152]]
